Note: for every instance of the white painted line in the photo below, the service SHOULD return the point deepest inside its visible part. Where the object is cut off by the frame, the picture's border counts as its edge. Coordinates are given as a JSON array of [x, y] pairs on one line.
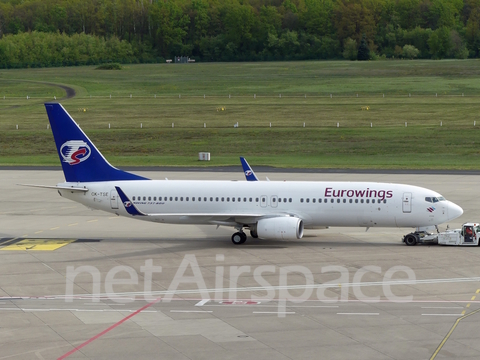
[[287, 287], [190, 311], [458, 315], [203, 302], [358, 313], [442, 307], [274, 312]]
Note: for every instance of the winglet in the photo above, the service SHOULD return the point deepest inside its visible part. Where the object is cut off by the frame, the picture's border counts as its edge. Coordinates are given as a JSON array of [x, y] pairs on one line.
[[131, 209], [81, 160], [249, 174]]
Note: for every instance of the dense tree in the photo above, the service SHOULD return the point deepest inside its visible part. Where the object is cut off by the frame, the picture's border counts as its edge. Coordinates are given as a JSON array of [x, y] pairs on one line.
[[363, 50], [236, 30]]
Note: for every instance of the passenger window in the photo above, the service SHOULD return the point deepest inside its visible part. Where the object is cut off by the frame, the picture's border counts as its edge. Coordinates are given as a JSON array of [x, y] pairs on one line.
[[244, 199], [338, 200], [186, 199], [314, 200], [356, 201], [233, 199], [274, 200], [385, 201], [144, 198], [285, 200], [223, 199], [181, 198], [319, 200], [149, 198], [290, 200], [256, 199], [368, 201], [204, 199], [133, 198], [176, 198], [344, 201], [171, 198], [361, 201], [301, 200], [350, 201], [193, 198], [199, 198], [211, 199], [216, 199], [373, 201], [250, 199], [228, 199], [332, 201], [279, 200]]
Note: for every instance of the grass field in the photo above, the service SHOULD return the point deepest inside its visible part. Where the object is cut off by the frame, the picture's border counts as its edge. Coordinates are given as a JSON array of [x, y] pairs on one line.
[[290, 122]]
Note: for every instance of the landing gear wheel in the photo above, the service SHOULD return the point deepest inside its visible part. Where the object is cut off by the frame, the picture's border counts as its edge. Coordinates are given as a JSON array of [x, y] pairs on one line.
[[411, 239], [239, 238], [253, 234]]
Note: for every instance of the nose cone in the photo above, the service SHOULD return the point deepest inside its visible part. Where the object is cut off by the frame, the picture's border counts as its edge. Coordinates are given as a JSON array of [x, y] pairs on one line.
[[454, 211]]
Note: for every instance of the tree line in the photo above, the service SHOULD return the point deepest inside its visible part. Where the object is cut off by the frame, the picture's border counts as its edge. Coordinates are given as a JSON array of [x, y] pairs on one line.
[[75, 32]]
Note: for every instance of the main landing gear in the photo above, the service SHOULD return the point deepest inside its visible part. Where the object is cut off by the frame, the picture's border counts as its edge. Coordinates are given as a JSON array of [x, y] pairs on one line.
[[239, 238]]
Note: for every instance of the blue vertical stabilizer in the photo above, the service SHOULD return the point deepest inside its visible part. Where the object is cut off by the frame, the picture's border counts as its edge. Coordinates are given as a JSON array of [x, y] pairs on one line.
[[81, 160]]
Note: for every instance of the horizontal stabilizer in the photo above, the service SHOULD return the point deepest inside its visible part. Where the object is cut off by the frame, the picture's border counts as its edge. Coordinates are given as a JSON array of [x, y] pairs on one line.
[[70, 188]]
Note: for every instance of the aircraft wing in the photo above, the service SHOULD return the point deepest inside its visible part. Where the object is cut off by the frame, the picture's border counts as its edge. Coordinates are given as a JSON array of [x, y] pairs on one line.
[[213, 218], [247, 169]]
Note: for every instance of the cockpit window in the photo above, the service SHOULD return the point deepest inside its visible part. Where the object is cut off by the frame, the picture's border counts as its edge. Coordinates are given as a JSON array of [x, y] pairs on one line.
[[434, 199]]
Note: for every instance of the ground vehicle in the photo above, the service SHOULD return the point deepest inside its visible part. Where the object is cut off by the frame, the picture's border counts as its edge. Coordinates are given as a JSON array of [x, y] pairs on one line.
[[468, 235]]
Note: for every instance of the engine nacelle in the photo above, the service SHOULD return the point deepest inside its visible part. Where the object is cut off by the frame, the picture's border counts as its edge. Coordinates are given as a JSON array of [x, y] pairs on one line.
[[287, 228]]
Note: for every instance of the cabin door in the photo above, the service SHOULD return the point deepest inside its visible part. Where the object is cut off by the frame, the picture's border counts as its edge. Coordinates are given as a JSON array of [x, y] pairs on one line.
[[407, 202]]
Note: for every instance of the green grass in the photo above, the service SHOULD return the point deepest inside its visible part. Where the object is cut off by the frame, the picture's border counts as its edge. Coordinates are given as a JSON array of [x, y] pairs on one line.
[[155, 103]]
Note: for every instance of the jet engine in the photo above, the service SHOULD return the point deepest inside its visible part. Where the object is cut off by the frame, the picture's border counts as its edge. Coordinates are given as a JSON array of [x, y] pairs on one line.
[[288, 228]]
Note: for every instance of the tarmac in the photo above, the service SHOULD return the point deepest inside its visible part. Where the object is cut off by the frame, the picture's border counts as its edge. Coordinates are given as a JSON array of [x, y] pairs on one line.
[[82, 284]]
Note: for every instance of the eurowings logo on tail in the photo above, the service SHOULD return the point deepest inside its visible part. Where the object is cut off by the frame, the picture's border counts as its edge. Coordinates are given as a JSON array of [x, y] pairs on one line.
[[248, 172], [75, 151]]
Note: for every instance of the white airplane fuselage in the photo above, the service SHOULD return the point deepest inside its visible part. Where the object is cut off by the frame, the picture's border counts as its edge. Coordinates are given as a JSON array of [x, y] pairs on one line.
[[318, 204]]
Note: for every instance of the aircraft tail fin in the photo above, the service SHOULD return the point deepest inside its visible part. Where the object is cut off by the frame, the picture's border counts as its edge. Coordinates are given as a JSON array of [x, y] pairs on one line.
[[249, 174], [81, 160]]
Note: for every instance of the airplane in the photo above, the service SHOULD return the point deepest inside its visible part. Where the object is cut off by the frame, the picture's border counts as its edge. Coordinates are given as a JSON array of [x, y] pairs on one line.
[[247, 170], [270, 209]]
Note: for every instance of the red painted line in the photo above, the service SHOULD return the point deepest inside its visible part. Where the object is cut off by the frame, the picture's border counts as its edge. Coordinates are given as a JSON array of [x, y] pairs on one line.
[[107, 330]]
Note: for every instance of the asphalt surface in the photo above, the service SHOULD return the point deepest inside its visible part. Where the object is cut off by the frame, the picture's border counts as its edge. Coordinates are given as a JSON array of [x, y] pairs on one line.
[[221, 309]]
